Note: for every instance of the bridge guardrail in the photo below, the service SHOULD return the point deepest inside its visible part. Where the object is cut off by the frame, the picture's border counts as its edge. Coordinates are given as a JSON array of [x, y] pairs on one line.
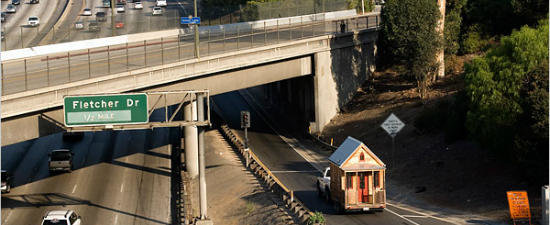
[[300, 211], [45, 71]]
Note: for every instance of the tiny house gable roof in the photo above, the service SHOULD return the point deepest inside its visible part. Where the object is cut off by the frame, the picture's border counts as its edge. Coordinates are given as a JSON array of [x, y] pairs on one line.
[[347, 150]]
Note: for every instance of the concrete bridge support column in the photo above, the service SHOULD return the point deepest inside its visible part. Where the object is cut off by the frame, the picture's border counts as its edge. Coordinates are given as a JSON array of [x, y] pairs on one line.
[[191, 138], [325, 92]]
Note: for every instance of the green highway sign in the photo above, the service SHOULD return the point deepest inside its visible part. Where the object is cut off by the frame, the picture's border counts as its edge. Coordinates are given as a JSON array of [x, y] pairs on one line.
[[105, 109]]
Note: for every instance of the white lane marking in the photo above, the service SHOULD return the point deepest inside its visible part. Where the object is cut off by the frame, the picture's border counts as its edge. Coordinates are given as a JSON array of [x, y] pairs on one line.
[[296, 171], [116, 219], [121, 187], [424, 214], [74, 189], [401, 217], [415, 216], [8, 217]]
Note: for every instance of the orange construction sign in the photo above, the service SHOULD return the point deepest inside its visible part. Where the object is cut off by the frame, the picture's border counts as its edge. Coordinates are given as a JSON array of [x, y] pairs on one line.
[[519, 205]]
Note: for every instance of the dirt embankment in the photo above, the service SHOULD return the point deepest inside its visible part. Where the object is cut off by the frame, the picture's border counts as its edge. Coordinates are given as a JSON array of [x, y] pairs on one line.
[[458, 176]]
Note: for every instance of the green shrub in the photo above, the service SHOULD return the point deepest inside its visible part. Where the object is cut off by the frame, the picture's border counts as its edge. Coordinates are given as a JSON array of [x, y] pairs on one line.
[[317, 217], [473, 41]]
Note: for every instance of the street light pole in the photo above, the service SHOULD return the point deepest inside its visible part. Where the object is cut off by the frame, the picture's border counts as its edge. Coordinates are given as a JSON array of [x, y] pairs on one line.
[[196, 32]]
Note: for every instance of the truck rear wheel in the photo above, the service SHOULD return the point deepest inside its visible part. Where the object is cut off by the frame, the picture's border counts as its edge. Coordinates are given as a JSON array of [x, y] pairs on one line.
[[319, 192]]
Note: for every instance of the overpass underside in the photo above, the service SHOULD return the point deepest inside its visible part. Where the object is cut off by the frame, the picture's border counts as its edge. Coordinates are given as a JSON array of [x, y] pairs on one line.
[[337, 65]]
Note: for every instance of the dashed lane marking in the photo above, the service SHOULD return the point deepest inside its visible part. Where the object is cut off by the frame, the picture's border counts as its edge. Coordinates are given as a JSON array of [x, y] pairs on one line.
[[402, 217]]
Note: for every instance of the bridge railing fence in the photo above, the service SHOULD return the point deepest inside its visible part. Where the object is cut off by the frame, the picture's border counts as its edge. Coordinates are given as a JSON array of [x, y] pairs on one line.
[[49, 70]]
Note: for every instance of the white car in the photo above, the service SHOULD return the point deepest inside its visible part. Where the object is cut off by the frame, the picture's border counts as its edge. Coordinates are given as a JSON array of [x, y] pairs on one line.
[[11, 8], [87, 12], [119, 8], [33, 21], [157, 11], [161, 3], [79, 25], [138, 5], [61, 217]]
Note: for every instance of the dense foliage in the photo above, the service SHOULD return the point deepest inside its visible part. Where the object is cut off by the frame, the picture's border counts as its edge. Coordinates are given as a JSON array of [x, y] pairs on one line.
[[484, 19], [409, 37], [507, 92]]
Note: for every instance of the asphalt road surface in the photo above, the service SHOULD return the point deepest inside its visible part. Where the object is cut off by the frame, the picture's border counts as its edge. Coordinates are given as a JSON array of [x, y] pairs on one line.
[[32, 73], [15, 26], [295, 172], [120, 177]]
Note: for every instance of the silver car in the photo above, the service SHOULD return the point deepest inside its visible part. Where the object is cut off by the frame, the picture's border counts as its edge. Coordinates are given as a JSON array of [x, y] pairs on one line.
[[11, 8], [157, 11]]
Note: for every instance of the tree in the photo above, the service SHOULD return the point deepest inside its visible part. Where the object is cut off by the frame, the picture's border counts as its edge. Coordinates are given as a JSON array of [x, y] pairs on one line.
[[410, 37], [508, 94]]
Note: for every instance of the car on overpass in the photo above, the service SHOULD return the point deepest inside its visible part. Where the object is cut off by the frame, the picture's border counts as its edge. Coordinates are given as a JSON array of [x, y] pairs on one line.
[[60, 160], [11, 8], [87, 12], [100, 16], [157, 11], [138, 5], [161, 3], [78, 25], [93, 26], [119, 8], [61, 217], [15, 2], [33, 21]]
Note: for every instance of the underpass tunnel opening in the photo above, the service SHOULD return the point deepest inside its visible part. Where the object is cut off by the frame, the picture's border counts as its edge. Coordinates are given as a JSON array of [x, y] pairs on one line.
[[287, 104]]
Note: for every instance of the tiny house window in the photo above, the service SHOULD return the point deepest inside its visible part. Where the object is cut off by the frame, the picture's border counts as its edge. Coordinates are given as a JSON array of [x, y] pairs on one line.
[[362, 157], [376, 179], [349, 181]]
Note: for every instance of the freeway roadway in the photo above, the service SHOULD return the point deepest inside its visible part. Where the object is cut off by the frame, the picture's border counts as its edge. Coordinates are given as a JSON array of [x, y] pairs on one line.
[[120, 177], [297, 173], [18, 34]]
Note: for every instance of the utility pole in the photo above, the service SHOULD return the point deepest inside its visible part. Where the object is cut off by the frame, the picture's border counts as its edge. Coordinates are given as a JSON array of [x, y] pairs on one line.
[[113, 10], [196, 32], [441, 29]]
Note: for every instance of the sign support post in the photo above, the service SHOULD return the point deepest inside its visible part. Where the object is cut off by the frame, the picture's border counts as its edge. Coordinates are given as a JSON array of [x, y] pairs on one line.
[[245, 123], [392, 125]]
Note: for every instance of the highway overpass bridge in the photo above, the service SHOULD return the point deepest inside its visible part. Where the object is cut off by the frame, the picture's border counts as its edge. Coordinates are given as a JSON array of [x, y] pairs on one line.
[[338, 59]]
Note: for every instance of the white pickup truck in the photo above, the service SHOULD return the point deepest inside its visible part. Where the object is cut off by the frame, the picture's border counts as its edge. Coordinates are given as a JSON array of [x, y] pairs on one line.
[[323, 184]]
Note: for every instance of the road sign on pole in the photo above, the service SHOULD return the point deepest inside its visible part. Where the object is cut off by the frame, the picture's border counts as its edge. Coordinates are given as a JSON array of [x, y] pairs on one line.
[[392, 125], [105, 109], [190, 20]]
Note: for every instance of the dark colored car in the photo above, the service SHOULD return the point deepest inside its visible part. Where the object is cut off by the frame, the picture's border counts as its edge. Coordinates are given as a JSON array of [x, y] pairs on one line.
[[61, 160], [93, 26], [15, 2], [34, 1], [6, 181], [100, 16]]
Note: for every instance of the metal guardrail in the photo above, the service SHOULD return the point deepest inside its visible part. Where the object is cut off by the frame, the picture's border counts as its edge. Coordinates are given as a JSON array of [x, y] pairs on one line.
[[44, 71], [300, 211]]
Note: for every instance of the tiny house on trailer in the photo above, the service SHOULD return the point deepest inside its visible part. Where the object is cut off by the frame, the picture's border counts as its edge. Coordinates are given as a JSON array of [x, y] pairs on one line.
[[357, 178]]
